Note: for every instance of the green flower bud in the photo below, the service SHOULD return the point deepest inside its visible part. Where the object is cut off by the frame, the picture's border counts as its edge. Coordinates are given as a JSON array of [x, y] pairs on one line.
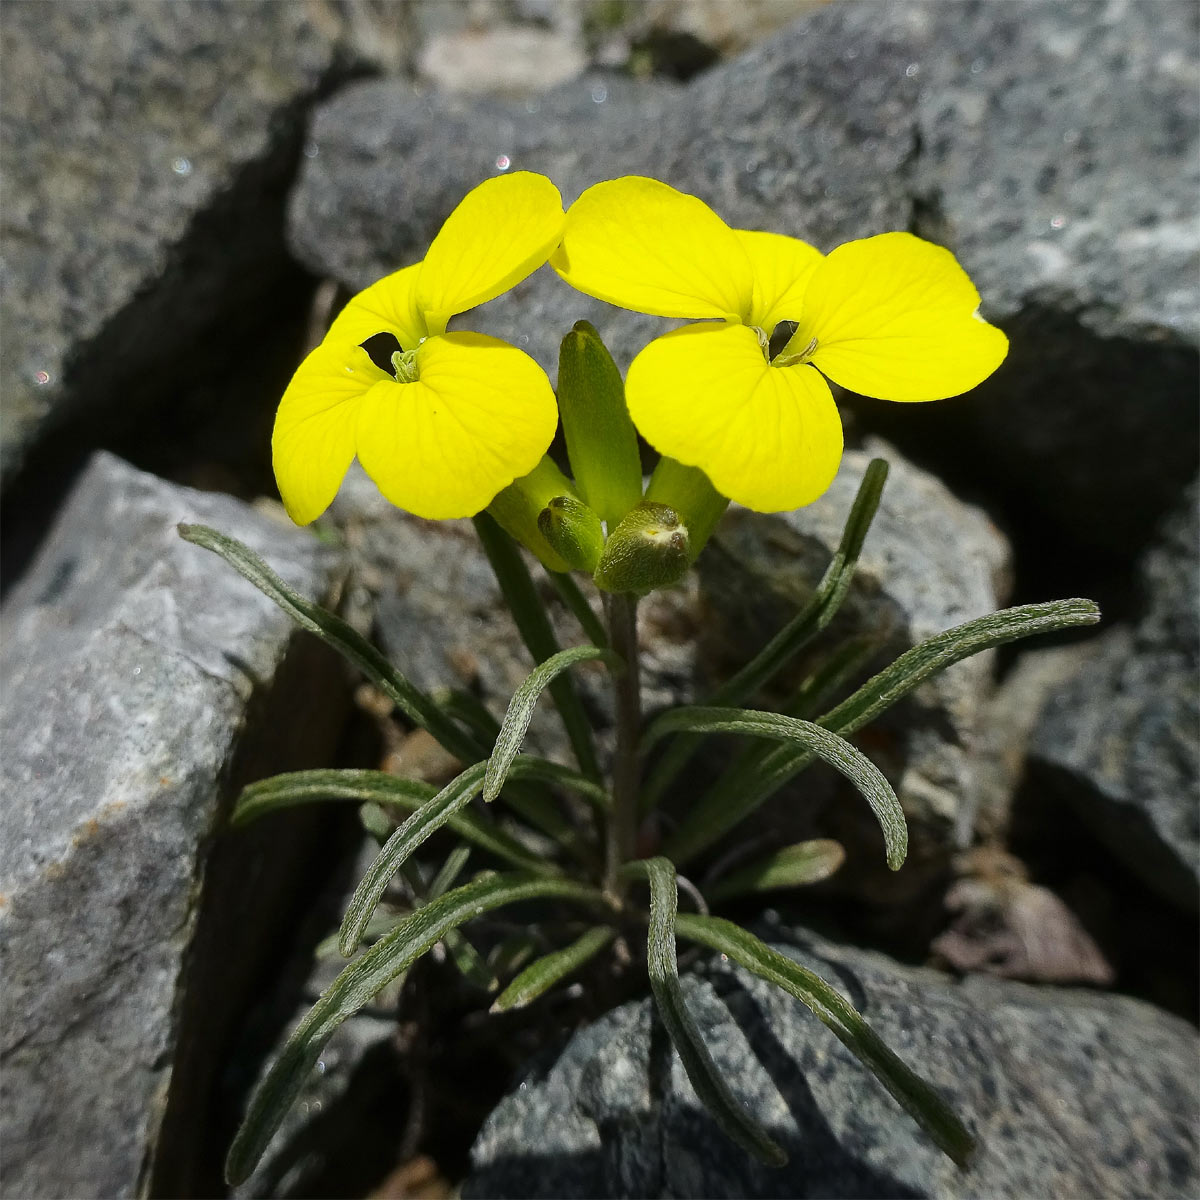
[[516, 510], [573, 531], [647, 550], [688, 491]]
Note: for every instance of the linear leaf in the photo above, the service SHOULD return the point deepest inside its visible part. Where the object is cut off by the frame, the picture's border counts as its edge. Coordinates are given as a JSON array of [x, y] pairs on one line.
[[580, 606], [468, 961], [520, 709], [450, 870], [812, 740], [540, 976], [534, 626], [359, 981], [429, 818], [663, 968], [794, 636], [915, 1096], [793, 866], [388, 791], [732, 798], [419, 708]]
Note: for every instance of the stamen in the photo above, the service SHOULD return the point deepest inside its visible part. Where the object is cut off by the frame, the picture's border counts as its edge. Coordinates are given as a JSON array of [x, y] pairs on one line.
[[404, 363]]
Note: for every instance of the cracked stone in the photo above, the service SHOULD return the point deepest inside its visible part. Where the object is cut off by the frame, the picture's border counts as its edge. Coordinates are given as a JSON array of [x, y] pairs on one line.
[[140, 683], [1068, 1093]]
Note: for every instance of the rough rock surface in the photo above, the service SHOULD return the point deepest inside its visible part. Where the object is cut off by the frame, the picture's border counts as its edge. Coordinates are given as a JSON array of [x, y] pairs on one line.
[[1069, 1093], [135, 665], [146, 149], [1121, 739], [1004, 134], [929, 562]]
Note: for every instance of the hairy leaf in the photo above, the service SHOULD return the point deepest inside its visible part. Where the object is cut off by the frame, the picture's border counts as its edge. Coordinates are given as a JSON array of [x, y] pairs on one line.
[[520, 709], [710, 1085], [913, 1094], [812, 740], [734, 797], [360, 980], [419, 708], [540, 976]]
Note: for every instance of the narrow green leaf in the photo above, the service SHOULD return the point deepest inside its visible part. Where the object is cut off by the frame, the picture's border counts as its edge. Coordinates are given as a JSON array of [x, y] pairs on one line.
[[580, 607], [542, 770], [360, 980], [520, 709], [468, 962], [794, 636], [426, 821], [419, 708], [512, 952], [534, 627], [601, 440], [663, 968], [388, 791], [792, 866], [731, 799], [914, 1095], [451, 869], [379, 925], [812, 740], [540, 976]]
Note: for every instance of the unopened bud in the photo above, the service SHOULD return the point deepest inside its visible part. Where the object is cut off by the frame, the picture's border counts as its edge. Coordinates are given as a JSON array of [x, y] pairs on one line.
[[647, 550], [573, 531]]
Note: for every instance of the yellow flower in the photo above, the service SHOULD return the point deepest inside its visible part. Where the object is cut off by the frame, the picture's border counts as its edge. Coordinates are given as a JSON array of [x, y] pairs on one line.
[[744, 400], [440, 421]]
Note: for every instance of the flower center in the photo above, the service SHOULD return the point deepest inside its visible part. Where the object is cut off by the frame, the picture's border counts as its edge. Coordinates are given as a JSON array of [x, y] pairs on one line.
[[773, 346], [385, 351]]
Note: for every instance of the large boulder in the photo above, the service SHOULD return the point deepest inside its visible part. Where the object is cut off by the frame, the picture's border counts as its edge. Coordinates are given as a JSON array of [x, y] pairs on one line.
[[1002, 133], [147, 150], [144, 680], [1119, 738], [1068, 1093]]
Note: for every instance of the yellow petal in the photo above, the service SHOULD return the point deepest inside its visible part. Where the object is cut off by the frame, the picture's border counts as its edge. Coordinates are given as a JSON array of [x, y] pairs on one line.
[[768, 437], [782, 268], [314, 438], [481, 414], [502, 231], [387, 306], [896, 317], [645, 246]]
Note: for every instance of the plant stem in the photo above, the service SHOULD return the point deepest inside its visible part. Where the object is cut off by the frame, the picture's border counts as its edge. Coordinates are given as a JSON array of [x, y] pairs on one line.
[[621, 839]]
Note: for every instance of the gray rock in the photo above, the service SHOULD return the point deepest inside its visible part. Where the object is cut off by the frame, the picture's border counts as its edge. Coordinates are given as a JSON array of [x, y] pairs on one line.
[[1052, 147], [140, 677], [1069, 1093], [929, 562], [1121, 738], [146, 150], [1060, 160]]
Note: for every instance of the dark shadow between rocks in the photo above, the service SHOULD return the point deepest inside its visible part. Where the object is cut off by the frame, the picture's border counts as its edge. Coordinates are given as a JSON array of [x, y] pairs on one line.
[[184, 381], [1077, 447], [829, 1169]]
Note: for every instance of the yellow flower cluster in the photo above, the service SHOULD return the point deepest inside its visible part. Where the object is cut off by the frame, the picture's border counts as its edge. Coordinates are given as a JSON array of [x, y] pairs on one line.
[[442, 421]]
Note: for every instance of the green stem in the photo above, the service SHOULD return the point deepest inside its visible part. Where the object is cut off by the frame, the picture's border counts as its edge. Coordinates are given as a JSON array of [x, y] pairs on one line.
[[621, 839]]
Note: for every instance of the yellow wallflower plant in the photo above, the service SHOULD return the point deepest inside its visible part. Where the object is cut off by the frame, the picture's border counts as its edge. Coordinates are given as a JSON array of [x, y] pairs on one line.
[[450, 418], [449, 424], [741, 396]]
